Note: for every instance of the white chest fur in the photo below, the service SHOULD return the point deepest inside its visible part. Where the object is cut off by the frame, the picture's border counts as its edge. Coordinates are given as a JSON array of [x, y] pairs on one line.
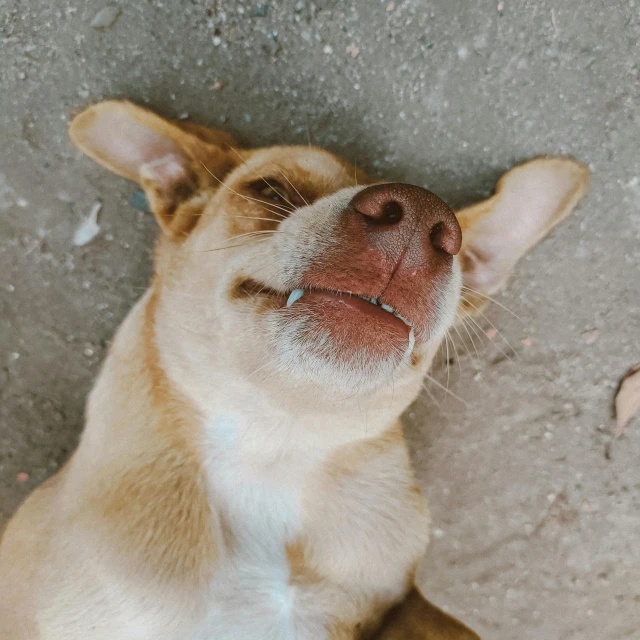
[[360, 538]]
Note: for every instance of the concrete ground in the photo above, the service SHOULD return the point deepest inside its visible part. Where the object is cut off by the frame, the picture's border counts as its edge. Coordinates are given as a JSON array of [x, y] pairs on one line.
[[536, 505]]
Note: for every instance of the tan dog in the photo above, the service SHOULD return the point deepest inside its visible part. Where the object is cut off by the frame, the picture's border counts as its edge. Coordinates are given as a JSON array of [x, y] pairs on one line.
[[243, 474]]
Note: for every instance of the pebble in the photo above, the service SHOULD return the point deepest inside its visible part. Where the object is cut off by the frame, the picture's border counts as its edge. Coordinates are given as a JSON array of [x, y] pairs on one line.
[[22, 476], [106, 17], [590, 336], [138, 200], [259, 12], [353, 51]]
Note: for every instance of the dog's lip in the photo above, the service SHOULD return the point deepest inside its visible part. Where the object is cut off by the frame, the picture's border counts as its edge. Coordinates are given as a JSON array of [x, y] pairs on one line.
[[374, 305]]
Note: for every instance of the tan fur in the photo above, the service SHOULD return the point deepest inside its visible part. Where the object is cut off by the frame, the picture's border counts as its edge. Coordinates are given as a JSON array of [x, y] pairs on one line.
[[204, 464]]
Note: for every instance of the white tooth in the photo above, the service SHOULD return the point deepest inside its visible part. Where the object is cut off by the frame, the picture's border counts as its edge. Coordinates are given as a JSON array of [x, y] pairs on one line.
[[386, 307], [412, 340], [397, 315], [296, 294], [373, 301]]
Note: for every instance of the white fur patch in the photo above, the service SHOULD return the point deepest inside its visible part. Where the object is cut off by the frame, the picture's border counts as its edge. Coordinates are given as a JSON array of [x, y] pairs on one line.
[[259, 504]]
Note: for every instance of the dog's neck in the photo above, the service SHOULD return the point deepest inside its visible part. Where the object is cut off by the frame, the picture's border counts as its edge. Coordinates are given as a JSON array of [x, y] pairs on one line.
[[228, 414]]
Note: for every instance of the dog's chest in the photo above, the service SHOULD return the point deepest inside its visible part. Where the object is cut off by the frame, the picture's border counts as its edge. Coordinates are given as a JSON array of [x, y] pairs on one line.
[[303, 558]]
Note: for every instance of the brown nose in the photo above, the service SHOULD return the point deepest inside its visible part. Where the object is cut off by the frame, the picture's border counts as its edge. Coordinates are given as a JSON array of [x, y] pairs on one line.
[[394, 212]]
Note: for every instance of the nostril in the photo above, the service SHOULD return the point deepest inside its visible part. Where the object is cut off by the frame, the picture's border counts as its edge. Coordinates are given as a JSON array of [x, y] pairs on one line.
[[390, 213], [445, 238]]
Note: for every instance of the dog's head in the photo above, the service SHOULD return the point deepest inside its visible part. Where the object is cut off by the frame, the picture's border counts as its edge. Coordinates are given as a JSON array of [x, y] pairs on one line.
[[288, 265]]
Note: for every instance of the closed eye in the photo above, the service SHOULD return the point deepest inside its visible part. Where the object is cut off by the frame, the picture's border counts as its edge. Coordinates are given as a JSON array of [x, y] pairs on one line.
[[272, 192]]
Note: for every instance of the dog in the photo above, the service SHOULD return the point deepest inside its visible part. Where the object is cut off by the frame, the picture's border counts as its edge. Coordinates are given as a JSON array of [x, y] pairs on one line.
[[243, 473]]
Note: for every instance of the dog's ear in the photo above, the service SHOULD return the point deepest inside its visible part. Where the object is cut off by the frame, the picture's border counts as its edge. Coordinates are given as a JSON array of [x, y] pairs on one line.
[[529, 201], [177, 164]]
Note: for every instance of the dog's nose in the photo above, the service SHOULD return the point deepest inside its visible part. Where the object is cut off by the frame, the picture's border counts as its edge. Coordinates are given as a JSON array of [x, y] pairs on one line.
[[395, 212]]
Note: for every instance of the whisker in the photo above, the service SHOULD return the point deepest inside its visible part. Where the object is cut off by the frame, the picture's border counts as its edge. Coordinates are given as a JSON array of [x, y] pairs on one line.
[[260, 176], [289, 181], [446, 341], [232, 246], [253, 218], [455, 327], [270, 362], [482, 295], [441, 386], [464, 324], [455, 350], [489, 321], [506, 355], [240, 195], [249, 235], [432, 397]]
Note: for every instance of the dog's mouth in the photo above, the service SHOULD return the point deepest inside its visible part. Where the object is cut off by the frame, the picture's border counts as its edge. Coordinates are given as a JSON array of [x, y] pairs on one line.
[[356, 322]]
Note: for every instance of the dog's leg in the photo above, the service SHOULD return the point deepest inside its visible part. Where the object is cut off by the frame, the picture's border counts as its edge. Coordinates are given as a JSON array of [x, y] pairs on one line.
[[417, 619]]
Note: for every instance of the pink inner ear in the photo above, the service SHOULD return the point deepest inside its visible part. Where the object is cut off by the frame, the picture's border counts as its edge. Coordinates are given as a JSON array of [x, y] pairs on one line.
[[125, 144], [167, 172]]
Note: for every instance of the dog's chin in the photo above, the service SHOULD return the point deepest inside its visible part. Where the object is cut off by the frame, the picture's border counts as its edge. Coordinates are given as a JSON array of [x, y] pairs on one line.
[[354, 356]]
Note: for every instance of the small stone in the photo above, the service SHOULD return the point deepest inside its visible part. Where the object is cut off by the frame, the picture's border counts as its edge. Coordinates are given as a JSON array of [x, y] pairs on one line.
[[217, 85], [491, 333], [590, 336], [22, 476], [353, 51], [259, 12], [138, 200], [106, 17], [328, 49], [217, 41], [13, 356], [88, 351], [526, 342], [184, 115]]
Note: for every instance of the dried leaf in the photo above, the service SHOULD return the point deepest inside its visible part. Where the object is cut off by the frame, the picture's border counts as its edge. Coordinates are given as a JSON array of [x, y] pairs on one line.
[[89, 227], [628, 400]]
